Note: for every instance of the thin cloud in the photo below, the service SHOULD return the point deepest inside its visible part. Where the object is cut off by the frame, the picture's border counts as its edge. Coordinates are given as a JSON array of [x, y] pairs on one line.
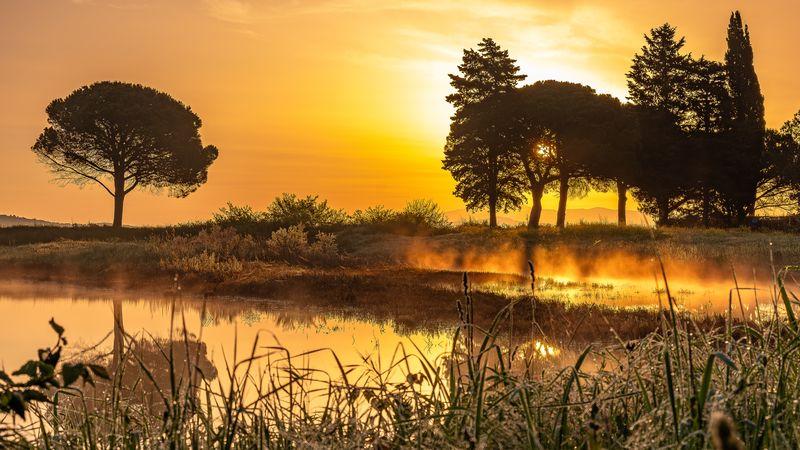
[[234, 11]]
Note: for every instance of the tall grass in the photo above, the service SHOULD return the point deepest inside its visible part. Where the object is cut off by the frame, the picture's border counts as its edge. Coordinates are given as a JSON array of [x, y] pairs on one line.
[[682, 386]]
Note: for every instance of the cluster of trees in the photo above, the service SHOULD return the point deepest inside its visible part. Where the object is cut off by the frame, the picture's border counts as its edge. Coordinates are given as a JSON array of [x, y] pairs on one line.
[[691, 144]]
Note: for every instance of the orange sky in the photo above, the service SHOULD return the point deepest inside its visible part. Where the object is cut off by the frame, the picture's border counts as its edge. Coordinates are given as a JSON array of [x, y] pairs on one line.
[[344, 98]]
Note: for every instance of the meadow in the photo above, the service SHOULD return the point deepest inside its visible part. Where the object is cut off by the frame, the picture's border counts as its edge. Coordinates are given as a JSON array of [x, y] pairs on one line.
[[637, 376]]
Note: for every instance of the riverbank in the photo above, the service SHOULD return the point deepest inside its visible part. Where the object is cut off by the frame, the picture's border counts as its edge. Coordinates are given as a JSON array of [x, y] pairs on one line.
[[602, 272]]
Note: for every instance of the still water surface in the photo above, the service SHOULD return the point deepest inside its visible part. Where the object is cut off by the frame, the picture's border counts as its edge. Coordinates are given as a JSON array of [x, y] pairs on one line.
[[228, 328], [229, 325]]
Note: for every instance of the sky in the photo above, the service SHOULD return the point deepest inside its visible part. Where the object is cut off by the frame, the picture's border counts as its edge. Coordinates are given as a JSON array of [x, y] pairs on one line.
[[341, 98]]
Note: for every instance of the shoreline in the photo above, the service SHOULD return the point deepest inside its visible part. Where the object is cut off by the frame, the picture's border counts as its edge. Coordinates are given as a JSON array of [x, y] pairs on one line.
[[413, 299]]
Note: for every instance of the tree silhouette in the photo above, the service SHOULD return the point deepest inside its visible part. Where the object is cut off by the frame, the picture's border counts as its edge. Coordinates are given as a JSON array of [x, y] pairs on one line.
[[537, 152], [658, 85], [476, 152], [561, 129], [707, 123], [749, 126], [122, 136], [659, 75], [780, 188], [662, 177], [614, 164]]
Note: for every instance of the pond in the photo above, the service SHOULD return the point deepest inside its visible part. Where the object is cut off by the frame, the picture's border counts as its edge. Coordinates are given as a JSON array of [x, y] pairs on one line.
[[369, 332]]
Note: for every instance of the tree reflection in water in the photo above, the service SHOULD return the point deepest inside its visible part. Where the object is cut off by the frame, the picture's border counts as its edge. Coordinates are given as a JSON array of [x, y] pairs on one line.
[[151, 378]]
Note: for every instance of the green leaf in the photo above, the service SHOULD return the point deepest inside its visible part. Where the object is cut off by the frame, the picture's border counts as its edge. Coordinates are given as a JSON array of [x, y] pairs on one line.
[[17, 404], [71, 372], [100, 371], [53, 358], [56, 327], [33, 395], [788, 305], [29, 369], [726, 359]]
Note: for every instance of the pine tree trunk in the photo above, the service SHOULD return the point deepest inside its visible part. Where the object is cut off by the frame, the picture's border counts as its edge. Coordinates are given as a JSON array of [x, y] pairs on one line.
[[492, 213], [536, 209], [563, 192], [706, 207], [119, 200], [622, 202], [663, 212]]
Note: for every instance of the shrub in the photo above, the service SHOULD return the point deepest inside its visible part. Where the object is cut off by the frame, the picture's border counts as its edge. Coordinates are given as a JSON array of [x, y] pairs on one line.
[[374, 215], [237, 216], [205, 263], [424, 212], [289, 210], [292, 245], [288, 244], [325, 249], [217, 252]]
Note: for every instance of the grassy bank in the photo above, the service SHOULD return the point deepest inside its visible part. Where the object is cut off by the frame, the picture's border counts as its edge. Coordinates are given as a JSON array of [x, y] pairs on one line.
[[374, 244]]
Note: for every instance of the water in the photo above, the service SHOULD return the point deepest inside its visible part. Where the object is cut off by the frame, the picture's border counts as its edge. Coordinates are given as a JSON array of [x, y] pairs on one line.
[[227, 327], [370, 330]]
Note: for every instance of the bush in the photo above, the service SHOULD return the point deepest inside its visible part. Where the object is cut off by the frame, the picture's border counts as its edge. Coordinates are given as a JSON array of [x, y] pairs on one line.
[[374, 215], [423, 212], [221, 252], [216, 252], [288, 244], [237, 216], [418, 216], [289, 210], [292, 245]]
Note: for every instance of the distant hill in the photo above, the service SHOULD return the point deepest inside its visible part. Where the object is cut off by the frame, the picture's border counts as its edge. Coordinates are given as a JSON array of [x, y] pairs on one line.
[[16, 221], [576, 215]]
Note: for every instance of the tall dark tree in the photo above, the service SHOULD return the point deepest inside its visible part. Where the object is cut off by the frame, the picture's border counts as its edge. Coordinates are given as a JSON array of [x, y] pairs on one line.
[[476, 152], [614, 164], [537, 150], [748, 122], [660, 73], [707, 126], [661, 184], [562, 127], [657, 84], [122, 136]]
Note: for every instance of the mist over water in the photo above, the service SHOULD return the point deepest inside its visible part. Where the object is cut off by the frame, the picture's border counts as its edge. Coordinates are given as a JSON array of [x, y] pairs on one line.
[[602, 274]]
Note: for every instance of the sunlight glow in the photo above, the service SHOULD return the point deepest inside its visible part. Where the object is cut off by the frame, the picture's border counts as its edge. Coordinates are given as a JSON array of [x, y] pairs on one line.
[[341, 98]]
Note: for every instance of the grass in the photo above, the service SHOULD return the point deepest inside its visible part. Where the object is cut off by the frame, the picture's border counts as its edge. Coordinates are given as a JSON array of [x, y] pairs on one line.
[[735, 385]]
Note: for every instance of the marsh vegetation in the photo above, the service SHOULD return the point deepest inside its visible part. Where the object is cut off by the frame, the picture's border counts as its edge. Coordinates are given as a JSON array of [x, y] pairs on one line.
[[688, 383]]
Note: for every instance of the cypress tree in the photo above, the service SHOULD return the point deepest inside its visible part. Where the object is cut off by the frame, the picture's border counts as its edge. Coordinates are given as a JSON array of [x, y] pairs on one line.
[[747, 119]]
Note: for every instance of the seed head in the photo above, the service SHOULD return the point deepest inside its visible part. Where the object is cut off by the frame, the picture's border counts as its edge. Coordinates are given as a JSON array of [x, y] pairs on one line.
[[723, 432]]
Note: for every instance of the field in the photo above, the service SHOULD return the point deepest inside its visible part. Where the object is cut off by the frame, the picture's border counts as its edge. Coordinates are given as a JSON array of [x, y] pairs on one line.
[[638, 376]]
